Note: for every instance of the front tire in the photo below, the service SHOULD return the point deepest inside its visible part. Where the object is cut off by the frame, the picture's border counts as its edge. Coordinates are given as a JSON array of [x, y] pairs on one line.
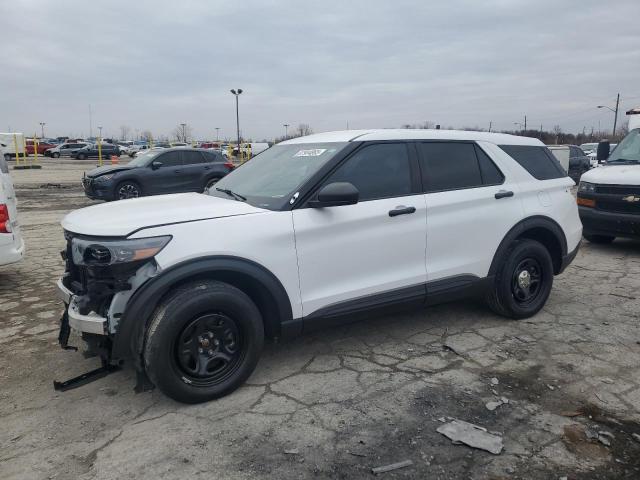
[[203, 342], [55, 155], [81, 156], [128, 189], [523, 281], [7, 157], [601, 239], [210, 183]]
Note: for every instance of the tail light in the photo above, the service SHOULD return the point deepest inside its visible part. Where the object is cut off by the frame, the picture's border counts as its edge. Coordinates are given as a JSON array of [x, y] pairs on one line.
[[229, 165], [5, 226]]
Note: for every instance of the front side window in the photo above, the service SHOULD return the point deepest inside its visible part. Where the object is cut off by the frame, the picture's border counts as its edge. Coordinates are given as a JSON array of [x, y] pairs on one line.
[[377, 171], [170, 159], [537, 160], [270, 179]]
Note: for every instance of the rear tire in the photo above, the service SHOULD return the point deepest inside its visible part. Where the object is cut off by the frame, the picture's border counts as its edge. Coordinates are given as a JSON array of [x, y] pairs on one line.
[[81, 156], [55, 155], [210, 183], [601, 239], [203, 342], [523, 281]]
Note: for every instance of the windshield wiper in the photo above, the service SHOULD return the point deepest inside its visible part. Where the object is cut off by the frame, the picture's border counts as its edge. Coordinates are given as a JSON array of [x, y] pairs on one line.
[[235, 195], [623, 160]]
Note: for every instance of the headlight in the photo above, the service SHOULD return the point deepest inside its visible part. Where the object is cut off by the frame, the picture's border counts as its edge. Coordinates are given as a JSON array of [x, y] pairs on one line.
[[104, 178], [586, 187], [111, 252]]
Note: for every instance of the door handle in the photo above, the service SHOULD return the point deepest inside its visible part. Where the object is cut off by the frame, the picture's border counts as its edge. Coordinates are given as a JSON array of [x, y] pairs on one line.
[[177, 171], [503, 194], [401, 211]]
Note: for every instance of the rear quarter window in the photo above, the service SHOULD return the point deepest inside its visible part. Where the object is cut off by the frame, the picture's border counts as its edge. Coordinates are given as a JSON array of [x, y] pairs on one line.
[[536, 160]]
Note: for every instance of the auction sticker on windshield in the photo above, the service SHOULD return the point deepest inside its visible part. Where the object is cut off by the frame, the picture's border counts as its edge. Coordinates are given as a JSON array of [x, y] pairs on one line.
[[312, 152]]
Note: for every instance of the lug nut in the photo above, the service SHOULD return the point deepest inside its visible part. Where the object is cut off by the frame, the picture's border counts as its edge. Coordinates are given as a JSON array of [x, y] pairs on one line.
[[200, 350], [216, 342], [210, 352]]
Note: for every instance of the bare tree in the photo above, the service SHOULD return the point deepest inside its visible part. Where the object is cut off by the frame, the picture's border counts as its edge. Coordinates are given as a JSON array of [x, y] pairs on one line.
[[125, 130], [302, 130], [147, 135], [182, 132]]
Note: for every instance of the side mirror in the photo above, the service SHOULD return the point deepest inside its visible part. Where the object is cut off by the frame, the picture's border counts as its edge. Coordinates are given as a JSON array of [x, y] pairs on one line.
[[604, 148], [336, 194], [156, 165]]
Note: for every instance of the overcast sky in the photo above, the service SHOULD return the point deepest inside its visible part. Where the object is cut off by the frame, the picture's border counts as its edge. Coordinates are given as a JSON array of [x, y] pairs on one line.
[[365, 63]]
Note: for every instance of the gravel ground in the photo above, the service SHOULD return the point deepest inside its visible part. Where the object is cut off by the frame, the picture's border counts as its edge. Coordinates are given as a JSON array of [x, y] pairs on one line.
[[339, 402]]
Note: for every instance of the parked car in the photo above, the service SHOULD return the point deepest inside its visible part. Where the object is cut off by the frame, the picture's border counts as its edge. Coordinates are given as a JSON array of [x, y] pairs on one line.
[[9, 141], [11, 241], [42, 146], [311, 232], [65, 149], [157, 172], [572, 159], [92, 151], [146, 149], [609, 197]]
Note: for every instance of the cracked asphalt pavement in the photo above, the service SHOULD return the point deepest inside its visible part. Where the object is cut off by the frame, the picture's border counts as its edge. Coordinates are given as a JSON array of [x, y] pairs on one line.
[[339, 402]]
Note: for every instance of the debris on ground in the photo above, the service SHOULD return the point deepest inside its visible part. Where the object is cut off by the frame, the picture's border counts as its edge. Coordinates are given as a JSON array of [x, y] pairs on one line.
[[393, 466], [292, 451], [459, 431], [576, 439], [636, 437], [495, 381], [497, 403]]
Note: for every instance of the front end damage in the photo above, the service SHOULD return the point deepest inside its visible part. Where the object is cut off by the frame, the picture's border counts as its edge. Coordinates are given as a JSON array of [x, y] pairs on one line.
[[101, 275]]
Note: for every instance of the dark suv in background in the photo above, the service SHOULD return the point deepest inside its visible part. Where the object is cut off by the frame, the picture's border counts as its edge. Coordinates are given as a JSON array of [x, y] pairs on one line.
[[91, 151], [173, 170]]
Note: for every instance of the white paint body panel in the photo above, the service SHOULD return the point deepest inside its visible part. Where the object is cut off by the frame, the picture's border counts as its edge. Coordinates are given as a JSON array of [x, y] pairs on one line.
[[12, 247], [125, 216], [265, 238], [356, 250], [614, 175]]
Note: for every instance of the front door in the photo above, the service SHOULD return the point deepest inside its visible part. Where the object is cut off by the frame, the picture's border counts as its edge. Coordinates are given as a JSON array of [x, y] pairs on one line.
[[194, 169], [373, 250], [168, 177]]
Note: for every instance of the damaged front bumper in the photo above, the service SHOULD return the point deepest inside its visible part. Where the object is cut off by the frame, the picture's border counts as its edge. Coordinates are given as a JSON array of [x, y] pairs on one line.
[[89, 323]]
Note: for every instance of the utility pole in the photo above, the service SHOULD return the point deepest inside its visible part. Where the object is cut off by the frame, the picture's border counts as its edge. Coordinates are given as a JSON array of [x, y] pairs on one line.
[[490, 124], [100, 134], [42, 124], [615, 120], [90, 123], [286, 130], [525, 123], [217, 134], [184, 132]]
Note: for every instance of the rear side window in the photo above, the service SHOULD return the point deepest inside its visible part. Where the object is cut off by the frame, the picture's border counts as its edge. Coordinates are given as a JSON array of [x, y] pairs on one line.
[[192, 158], [538, 161], [491, 175]]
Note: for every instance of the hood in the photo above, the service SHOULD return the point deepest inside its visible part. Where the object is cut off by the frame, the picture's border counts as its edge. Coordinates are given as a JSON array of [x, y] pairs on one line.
[[96, 172], [121, 218], [614, 175]]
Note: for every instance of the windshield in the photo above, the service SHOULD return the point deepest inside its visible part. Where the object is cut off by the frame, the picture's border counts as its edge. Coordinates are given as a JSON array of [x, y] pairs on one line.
[[269, 179], [586, 147], [628, 150], [144, 159]]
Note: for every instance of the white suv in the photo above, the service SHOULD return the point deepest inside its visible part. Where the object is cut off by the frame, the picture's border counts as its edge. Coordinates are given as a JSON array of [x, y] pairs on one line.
[[11, 242], [309, 233]]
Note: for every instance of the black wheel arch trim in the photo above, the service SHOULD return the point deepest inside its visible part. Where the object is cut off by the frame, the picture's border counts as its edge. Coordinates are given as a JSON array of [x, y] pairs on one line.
[[537, 221], [128, 341]]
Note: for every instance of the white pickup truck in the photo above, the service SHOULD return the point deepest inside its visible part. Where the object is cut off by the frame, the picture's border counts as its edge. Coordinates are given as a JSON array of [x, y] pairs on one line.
[[11, 242], [609, 197]]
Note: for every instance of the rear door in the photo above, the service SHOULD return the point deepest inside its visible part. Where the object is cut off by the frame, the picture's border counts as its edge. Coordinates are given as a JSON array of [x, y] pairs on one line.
[[194, 170], [471, 205], [365, 252]]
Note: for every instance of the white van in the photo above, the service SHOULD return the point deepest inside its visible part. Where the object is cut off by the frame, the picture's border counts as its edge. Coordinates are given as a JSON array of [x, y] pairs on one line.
[[8, 145], [11, 242]]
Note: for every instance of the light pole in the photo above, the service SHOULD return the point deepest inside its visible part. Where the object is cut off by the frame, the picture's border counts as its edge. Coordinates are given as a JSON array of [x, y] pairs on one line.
[[286, 130], [42, 124], [615, 112], [100, 134], [237, 94], [184, 132], [217, 134]]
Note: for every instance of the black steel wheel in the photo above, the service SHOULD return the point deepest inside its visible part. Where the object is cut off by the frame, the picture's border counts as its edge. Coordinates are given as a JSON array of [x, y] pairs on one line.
[[203, 341], [523, 281], [209, 349], [128, 190]]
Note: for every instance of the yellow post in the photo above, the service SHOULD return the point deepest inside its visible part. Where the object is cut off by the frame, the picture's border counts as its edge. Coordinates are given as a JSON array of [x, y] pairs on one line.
[[24, 150], [15, 142], [35, 149], [230, 153], [249, 152], [99, 151]]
